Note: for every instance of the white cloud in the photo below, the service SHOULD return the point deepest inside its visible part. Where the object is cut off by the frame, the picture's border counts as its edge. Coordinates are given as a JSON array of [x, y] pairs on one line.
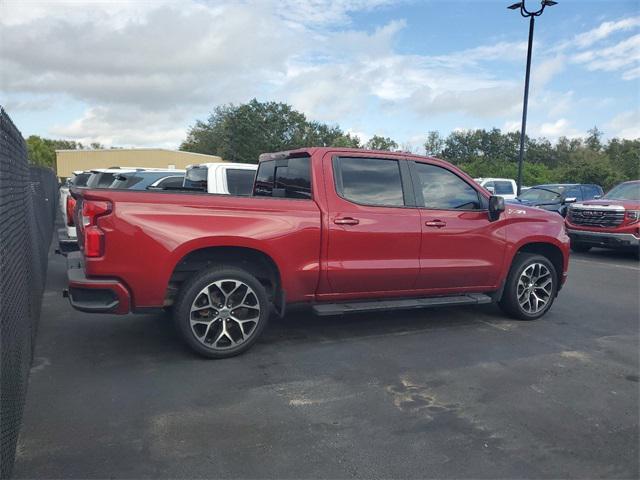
[[624, 54], [124, 126], [604, 30], [625, 125], [553, 130], [147, 69]]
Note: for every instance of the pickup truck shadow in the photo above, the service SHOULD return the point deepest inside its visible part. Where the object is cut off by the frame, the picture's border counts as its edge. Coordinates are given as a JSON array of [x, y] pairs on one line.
[[149, 334]]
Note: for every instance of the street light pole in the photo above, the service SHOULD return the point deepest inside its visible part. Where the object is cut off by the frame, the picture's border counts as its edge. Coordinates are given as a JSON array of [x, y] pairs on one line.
[[523, 130]]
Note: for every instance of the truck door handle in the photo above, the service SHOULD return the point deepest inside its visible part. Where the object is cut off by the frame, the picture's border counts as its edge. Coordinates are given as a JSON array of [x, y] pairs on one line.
[[435, 223], [346, 221]]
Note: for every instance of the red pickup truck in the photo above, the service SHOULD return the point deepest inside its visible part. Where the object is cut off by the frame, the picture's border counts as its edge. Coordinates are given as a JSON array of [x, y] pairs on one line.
[[343, 230], [612, 221]]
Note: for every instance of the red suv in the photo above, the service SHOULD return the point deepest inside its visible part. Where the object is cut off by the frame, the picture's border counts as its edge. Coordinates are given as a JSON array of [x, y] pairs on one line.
[[610, 222]]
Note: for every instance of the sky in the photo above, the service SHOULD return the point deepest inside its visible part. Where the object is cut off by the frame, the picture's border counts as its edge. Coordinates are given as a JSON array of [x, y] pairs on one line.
[[139, 73]]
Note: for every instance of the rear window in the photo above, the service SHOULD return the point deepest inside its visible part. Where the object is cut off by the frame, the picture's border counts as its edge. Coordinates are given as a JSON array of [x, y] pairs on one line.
[[284, 178], [80, 180], [196, 177], [501, 187], [240, 181], [101, 180], [125, 181]]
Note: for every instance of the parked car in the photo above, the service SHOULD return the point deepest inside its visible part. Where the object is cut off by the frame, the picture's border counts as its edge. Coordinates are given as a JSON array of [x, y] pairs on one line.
[[67, 240], [343, 230], [504, 187], [149, 179], [611, 222], [223, 178], [557, 197]]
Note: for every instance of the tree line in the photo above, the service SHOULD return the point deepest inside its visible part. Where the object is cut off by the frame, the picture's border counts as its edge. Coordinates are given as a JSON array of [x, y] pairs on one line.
[[240, 133]]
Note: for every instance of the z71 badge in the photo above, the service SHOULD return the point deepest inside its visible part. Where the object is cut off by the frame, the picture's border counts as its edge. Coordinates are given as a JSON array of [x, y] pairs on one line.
[[516, 211]]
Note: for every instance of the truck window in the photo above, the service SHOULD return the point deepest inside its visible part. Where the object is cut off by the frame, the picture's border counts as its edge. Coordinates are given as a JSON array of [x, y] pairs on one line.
[[573, 192], [196, 177], [369, 181], [502, 187], [171, 182], [240, 182], [285, 178], [590, 191], [444, 190]]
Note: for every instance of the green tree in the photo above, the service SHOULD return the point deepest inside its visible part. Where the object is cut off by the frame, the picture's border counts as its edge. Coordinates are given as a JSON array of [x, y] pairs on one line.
[[593, 139], [42, 151], [434, 144], [241, 133], [378, 142]]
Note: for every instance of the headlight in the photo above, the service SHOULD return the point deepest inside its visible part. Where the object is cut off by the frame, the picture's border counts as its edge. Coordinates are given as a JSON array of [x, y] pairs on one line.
[[633, 215]]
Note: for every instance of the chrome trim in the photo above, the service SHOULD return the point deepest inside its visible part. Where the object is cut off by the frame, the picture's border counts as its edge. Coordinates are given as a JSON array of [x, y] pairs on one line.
[[611, 208], [623, 237]]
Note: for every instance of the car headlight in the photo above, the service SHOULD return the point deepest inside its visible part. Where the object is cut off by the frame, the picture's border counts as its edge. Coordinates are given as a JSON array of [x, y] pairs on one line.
[[633, 215]]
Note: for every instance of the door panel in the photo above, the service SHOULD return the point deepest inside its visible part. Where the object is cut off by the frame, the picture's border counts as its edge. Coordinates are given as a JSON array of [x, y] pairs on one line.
[[466, 252], [371, 248], [460, 247]]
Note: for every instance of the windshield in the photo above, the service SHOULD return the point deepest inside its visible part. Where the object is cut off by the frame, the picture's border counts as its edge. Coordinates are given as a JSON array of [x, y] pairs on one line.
[[624, 191], [542, 194]]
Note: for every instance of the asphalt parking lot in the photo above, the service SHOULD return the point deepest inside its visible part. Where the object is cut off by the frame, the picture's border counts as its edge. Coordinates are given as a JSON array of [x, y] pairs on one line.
[[458, 392]]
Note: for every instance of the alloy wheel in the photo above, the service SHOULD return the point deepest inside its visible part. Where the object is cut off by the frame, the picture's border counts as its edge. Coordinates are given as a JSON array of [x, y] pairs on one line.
[[224, 314], [535, 287]]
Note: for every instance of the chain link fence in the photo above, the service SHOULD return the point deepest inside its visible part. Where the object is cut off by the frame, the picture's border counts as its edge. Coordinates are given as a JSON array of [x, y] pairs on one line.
[[28, 200]]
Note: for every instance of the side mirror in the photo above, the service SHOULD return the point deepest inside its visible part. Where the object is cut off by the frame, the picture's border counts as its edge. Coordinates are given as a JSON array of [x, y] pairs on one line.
[[491, 189], [496, 207], [570, 200]]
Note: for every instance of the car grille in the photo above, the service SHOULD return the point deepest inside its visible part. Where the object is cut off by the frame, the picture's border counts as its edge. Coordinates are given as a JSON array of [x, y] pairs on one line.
[[595, 217]]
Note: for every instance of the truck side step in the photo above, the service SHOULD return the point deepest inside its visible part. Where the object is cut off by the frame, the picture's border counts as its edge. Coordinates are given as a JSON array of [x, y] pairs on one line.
[[327, 309]]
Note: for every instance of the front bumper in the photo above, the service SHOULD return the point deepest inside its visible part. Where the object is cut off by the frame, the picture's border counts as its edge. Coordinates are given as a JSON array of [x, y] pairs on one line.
[[94, 295], [604, 239]]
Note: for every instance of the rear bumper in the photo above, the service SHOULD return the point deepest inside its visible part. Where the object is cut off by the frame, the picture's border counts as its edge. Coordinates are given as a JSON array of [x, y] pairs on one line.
[[102, 295], [66, 243], [604, 239]]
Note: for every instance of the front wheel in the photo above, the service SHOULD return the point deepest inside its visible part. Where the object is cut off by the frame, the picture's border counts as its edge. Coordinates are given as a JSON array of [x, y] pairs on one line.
[[531, 287], [221, 312]]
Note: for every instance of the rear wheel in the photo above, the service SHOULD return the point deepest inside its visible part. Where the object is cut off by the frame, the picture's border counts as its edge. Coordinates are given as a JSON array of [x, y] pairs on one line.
[[531, 287], [580, 247], [222, 311]]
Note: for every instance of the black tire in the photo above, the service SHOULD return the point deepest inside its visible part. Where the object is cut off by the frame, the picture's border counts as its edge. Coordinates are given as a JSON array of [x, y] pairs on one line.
[[580, 247], [193, 289], [509, 302]]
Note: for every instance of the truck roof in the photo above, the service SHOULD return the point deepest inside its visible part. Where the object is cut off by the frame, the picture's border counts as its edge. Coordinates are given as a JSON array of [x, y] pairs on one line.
[[321, 150]]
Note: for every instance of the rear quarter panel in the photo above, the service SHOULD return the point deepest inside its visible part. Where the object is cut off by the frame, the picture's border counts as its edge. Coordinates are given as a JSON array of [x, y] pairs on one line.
[[147, 234]]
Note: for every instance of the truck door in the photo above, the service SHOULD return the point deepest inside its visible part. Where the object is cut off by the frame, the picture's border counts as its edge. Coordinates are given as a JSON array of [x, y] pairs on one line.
[[373, 229], [460, 247]]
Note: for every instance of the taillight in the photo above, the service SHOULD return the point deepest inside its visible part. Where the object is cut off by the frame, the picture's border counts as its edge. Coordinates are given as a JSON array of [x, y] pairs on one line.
[[93, 235], [71, 205]]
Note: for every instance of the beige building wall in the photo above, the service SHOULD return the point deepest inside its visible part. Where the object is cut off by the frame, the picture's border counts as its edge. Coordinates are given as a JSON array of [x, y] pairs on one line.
[[69, 160]]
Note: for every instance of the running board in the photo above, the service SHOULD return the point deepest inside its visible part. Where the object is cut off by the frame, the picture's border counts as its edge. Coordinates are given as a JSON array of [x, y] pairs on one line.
[[327, 309]]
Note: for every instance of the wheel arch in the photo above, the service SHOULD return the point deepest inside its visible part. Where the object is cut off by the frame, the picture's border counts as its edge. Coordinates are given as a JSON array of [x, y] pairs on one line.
[[250, 259], [548, 250]]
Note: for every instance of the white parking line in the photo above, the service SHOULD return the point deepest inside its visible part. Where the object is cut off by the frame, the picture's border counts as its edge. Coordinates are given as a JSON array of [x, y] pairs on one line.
[[614, 265]]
